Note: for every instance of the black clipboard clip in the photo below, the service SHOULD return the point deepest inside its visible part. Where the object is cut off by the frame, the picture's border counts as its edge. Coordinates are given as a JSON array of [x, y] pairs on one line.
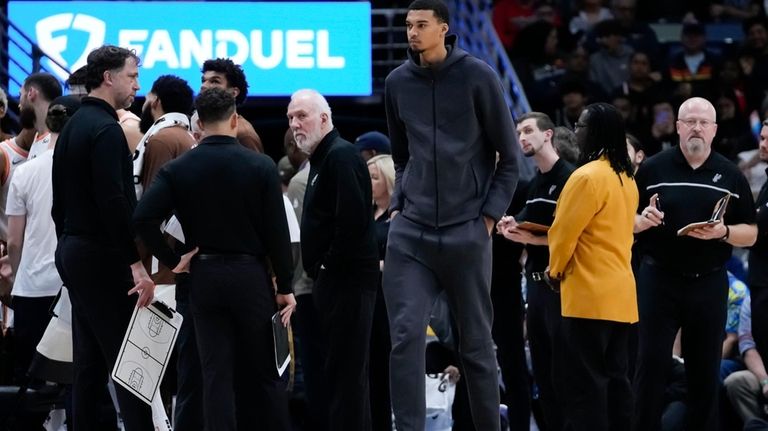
[[161, 307]]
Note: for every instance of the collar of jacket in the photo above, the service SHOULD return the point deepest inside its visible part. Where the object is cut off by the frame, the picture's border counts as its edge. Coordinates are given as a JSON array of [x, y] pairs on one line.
[[454, 55], [101, 103], [318, 155]]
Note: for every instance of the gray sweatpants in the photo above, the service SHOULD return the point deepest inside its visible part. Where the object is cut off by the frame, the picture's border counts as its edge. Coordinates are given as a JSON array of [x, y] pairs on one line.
[[421, 262]]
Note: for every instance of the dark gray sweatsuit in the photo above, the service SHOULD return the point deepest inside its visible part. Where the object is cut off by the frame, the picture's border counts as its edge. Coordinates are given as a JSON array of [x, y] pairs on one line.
[[446, 124]]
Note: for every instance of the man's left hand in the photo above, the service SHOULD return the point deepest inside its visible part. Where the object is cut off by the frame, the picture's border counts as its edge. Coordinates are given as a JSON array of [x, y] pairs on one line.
[[717, 232], [286, 304]]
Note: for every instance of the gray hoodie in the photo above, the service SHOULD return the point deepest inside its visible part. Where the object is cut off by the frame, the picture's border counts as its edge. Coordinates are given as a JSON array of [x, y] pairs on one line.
[[446, 124]]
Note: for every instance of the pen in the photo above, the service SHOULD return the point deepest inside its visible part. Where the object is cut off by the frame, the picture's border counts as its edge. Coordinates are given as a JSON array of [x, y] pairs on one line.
[[658, 207]]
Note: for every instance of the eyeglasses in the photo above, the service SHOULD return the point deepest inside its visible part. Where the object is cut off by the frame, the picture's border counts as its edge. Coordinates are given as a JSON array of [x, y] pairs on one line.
[[691, 123]]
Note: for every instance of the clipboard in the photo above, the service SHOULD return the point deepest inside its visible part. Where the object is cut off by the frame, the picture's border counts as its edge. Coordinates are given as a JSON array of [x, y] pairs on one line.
[[532, 227], [717, 216], [146, 350], [282, 344]]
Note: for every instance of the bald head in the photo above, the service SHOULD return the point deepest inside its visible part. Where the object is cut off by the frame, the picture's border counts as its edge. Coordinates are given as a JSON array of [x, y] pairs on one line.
[[697, 128], [698, 104]]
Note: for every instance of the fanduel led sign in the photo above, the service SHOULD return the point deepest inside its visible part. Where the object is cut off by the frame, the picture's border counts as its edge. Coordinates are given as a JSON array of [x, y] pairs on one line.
[[282, 46]]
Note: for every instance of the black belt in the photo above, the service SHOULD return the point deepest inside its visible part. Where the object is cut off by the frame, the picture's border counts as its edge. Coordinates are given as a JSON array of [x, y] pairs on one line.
[[227, 257], [702, 273]]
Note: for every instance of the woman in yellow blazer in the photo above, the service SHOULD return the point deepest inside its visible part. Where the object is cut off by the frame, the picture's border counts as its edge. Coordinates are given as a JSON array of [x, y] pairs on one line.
[[590, 245]]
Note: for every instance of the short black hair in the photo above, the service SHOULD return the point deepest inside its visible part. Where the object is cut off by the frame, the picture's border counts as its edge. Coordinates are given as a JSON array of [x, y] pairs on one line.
[[174, 93], [45, 83], [543, 122], [609, 27], [60, 111], [748, 23], [214, 105], [104, 58], [77, 77], [233, 72], [634, 142], [436, 6]]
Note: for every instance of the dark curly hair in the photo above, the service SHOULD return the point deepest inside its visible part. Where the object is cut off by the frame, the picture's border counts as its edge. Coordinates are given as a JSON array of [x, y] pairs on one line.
[[174, 93], [233, 72]]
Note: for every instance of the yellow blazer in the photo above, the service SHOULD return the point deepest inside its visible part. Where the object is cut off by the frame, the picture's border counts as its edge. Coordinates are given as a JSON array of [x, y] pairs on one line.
[[590, 244]]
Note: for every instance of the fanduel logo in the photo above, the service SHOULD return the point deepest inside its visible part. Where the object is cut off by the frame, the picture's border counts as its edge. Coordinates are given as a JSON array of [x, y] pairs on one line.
[[296, 49], [55, 45]]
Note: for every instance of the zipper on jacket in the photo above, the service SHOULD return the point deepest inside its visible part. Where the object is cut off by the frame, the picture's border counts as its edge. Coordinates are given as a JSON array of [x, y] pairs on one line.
[[434, 147]]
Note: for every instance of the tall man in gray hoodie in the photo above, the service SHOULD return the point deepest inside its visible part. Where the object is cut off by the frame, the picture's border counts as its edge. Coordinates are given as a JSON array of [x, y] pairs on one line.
[[447, 121]]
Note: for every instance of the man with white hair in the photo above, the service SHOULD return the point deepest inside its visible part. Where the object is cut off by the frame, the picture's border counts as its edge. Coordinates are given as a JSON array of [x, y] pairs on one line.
[[338, 248], [682, 281]]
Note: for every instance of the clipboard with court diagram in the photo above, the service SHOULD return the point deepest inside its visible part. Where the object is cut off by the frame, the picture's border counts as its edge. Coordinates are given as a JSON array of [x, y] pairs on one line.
[[146, 349]]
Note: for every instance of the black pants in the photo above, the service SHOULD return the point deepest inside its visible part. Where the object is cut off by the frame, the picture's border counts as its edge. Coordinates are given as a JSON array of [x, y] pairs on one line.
[[596, 391], [381, 403], [30, 318], [188, 415], [98, 284], [421, 262], [345, 303], [668, 302], [232, 304], [306, 325], [544, 320], [507, 331]]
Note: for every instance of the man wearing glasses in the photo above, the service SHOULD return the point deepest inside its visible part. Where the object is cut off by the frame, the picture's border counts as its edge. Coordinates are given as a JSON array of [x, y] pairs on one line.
[[682, 281]]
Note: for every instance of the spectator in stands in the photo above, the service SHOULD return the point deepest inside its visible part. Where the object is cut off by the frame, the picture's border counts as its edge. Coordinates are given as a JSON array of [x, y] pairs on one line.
[[536, 61], [731, 362], [577, 69], [609, 66], [590, 12], [754, 60], [731, 77], [624, 106], [638, 34], [733, 132], [733, 10], [574, 99], [588, 15], [565, 144], [382, 171], [692, 71], [642, 89], [372, 144], [748, 389], [511, 16], [3, 112], [662, 130]]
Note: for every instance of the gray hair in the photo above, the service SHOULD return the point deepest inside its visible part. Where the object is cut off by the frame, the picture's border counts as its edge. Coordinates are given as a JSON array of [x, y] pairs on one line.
[[317, 99]]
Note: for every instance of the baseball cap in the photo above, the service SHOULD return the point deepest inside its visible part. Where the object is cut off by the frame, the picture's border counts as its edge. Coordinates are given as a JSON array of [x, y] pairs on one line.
[[376, 141]]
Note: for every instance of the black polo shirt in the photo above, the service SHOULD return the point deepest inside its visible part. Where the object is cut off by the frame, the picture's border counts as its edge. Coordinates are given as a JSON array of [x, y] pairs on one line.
[[758, 254], [540, 206], [688, 195]]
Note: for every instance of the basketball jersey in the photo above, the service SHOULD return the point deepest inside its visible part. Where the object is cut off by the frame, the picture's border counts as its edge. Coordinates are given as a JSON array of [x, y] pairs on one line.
[[14, 156]]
